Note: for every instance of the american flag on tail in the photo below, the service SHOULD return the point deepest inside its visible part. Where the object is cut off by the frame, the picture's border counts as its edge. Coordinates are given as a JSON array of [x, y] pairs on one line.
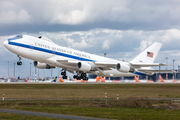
[[150, 54]]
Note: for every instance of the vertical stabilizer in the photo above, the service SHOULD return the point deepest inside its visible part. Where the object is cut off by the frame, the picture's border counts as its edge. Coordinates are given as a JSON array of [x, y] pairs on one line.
[[148, 55], [160, 78], [136, 79]]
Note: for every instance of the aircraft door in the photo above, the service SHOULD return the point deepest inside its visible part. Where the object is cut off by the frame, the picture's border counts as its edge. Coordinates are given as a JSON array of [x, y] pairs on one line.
[[53, 53], [31, 47]]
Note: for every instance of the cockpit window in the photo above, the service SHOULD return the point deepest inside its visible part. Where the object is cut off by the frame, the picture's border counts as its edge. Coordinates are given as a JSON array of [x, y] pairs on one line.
[[20, 36], [17, 37]]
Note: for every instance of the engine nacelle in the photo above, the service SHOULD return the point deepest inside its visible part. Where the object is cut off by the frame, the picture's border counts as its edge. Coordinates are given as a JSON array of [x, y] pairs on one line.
[[123, 67], [84, 66], [42, 65]]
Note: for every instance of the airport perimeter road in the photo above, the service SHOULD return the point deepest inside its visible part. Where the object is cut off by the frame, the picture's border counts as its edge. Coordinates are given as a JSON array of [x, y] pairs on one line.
[[48, 115]]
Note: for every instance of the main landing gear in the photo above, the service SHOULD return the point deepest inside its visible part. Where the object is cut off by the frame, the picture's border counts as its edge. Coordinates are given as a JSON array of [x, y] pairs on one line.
[[19, 62], [81, 75], [63, 74]]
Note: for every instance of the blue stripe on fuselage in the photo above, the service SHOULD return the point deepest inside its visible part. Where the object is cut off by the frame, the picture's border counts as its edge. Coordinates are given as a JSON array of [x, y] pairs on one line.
[[49, 51]]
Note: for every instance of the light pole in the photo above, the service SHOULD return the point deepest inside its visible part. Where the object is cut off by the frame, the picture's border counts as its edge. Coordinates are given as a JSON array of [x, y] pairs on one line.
[[105, 54], [166, 68], [30, 72], [166, 62], [173, 63], [38, 73], [57, 72], [35, 74], [14, 71], [8, 70], [22, 75], [51, 74]]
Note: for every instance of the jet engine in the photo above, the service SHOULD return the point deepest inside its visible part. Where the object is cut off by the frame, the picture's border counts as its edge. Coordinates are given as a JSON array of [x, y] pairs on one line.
[[84, 66], [42, 65], [124, 67]]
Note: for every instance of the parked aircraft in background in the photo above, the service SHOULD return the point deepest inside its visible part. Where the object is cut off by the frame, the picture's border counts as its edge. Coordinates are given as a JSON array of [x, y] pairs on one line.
[[47, 55]]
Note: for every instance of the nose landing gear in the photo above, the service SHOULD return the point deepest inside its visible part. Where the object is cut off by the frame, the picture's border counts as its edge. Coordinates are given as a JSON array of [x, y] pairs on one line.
[[19, 62]]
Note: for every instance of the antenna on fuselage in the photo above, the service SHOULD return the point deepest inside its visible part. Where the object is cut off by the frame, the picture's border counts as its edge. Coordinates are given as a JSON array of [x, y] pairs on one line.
[[105, 54], [40, 37]]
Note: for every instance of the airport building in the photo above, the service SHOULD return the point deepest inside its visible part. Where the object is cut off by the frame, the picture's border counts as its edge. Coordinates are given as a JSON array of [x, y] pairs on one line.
[[154, 77]]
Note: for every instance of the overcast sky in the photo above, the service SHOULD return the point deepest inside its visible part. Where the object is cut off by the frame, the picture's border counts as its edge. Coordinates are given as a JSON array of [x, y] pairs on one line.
[[121, 28]]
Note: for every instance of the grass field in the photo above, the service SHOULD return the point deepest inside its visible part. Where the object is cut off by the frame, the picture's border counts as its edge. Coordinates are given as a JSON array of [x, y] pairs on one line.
[[58, 91], [91, 104]]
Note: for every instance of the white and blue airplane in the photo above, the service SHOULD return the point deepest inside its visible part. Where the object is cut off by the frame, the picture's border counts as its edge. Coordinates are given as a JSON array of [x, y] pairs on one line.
[[46, 55]]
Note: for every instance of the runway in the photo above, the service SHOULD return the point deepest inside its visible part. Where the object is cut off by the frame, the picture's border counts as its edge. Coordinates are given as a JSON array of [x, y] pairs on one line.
[[89, 82], [48, 115]]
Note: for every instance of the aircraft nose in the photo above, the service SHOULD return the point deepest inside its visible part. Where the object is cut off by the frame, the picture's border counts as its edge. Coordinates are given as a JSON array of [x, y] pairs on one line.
[[5, 43]]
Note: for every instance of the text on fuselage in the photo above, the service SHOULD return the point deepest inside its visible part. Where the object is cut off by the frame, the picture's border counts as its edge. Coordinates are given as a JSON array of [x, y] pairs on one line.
[[62, 50]]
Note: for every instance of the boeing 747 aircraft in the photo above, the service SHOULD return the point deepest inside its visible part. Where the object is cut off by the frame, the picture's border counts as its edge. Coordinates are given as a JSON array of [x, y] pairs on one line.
[[47, 55]]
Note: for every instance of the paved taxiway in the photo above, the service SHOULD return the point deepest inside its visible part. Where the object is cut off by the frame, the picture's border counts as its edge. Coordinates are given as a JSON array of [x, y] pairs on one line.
[[48, 115]]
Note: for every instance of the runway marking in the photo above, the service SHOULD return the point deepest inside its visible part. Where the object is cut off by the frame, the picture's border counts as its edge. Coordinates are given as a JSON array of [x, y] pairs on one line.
[[48, 115]]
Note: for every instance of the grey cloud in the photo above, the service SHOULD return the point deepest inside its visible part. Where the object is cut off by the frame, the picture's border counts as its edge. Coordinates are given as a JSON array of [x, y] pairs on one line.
[[72, 16], [35, 28]]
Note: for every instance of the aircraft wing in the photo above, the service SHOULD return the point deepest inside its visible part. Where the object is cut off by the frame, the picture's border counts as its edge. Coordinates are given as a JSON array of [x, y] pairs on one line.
[[108, 65], [68, 62], [102, 65], [95, 64], [155, 71], [138, 65]]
